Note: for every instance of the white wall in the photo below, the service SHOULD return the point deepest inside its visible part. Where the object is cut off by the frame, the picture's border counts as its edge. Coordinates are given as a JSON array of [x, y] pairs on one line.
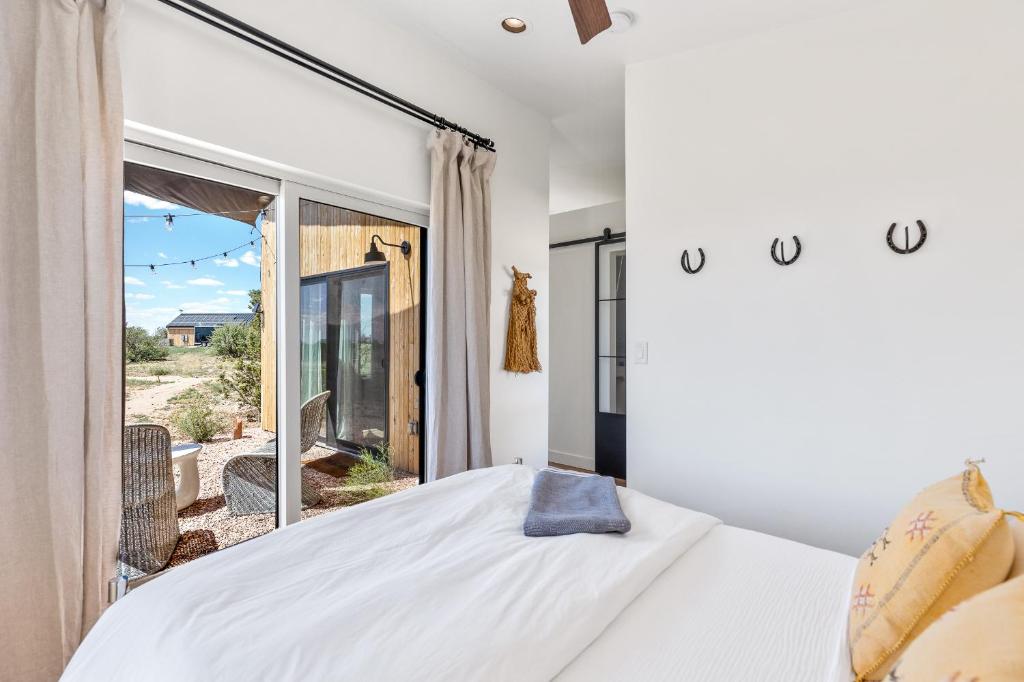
[[571, 368], [813, 401], [184, 77]]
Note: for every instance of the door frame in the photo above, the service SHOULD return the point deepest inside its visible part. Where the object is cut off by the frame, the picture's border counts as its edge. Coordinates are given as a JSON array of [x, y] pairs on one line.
[[155, 147], [352, 273], [607, 425]]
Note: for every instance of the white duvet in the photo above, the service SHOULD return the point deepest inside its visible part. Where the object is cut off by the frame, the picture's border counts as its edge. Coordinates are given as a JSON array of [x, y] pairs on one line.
[[436, 583], [740, 606]]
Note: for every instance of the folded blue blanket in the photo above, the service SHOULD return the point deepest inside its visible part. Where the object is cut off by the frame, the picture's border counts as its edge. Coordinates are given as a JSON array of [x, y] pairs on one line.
[[563, 503]]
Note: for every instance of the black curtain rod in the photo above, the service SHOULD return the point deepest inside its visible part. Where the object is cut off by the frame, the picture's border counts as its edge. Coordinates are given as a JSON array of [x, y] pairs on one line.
[[254, 36], [607, 236]]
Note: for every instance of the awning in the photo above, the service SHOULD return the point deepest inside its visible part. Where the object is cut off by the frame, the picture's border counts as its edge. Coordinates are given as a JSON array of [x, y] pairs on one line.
[[199, 194]]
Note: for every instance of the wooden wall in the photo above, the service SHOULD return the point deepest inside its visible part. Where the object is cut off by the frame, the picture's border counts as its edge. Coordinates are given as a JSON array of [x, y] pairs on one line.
[[268, 298], [174, 335], [331, 239]]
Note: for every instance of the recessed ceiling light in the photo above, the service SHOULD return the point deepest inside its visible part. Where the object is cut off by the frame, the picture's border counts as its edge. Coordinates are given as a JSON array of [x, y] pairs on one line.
[[513, 24]]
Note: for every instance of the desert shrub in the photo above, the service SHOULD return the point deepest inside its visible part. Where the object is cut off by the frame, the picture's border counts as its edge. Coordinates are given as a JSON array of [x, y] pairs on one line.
[[242, 381], [159, 372], [187, 396], [372, 469], [198, 419], [139, 346], [230, 340]]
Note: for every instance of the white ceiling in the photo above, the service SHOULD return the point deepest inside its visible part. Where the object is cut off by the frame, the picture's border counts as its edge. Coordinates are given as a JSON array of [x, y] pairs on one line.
[[580, 87]]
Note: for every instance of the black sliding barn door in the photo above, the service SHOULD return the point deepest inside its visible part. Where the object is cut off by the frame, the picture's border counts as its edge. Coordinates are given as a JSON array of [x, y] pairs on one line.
[[610, 361]]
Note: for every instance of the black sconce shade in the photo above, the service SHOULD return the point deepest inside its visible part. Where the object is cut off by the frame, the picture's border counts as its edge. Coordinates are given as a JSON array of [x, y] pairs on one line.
[[375, 255]]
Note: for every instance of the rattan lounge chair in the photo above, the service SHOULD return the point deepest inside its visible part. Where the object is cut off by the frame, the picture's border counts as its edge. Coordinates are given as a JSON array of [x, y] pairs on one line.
[[149, 512], [250, 479]]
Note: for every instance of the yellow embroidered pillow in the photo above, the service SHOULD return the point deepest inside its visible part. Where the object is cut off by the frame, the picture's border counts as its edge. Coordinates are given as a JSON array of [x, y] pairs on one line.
[[948, 544], [981, 640], [1017, 528]]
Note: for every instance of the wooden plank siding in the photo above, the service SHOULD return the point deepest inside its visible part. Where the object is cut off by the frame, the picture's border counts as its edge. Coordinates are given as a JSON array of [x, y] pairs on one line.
[[268, 301], [175, 334], [333, 239]]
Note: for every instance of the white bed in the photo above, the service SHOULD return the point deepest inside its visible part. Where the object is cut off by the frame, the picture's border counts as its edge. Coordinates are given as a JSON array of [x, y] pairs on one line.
[[439, 583], [738, 606]]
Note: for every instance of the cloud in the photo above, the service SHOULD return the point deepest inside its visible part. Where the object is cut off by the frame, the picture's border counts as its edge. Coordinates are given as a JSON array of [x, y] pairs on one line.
[[163, 255], [171, 285], [214, 305], [205, 282], [226, 262], [133, 281], [133, 199], [250, 258], [148, 318], [140, 297], [234, 292]]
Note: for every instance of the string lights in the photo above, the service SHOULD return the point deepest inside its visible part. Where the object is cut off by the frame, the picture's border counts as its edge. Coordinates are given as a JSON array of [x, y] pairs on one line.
[[192, 261], [168, 219]]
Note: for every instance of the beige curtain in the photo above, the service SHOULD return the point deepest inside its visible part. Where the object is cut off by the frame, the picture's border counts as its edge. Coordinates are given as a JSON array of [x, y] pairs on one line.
[[458, 306], [60, 335]]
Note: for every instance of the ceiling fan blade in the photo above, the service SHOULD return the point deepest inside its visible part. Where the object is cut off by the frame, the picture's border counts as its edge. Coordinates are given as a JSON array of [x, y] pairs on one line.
[[591, 17]]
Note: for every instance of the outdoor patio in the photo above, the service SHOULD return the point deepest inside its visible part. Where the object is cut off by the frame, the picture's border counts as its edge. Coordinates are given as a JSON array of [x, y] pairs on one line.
[[206, 525]]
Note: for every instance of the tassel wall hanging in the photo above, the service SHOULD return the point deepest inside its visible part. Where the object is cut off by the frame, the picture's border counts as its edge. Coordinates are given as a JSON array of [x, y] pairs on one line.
[[521, 341]]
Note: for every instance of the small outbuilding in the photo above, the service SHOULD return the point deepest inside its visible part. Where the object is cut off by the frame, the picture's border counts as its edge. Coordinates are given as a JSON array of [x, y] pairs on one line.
[[195, 329]]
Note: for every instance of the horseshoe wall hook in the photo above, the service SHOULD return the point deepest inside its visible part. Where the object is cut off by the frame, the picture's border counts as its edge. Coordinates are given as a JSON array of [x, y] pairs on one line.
[[685, 262], [906, 234], [781, 257]]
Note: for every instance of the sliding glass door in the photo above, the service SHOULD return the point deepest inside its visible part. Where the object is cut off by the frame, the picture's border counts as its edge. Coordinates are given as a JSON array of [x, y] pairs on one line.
[[345, 351]]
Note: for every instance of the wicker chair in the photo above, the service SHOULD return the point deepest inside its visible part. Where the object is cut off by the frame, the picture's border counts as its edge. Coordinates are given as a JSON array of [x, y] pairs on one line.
[[149, 513], [250, 479]]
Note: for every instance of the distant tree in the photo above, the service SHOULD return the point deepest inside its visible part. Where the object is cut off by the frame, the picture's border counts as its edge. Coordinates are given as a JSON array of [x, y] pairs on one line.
[[255, 300], [229, 341], [242, 381], [139, 346], [160, 335]]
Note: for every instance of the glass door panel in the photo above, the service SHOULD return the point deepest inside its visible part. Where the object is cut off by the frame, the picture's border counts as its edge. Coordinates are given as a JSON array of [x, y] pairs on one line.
[[313, 351], [357, 339], [610, 363]]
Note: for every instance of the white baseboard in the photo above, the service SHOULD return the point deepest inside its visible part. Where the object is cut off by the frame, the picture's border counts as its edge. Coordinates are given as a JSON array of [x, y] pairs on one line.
[[571, 459]]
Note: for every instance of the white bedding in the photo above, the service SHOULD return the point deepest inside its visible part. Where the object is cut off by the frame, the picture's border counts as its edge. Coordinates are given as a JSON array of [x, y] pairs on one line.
[[430, 584], [739, 606]]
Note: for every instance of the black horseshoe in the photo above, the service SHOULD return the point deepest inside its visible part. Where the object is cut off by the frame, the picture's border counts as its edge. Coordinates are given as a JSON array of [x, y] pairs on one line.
[[685, 262], [781, 258], [906, 233]]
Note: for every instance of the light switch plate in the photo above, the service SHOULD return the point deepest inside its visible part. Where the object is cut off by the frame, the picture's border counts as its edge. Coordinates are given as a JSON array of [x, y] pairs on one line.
[[640, 353]]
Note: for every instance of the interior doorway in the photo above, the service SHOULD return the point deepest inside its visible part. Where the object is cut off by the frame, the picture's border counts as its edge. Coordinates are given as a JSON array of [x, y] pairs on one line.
[[587, 366]]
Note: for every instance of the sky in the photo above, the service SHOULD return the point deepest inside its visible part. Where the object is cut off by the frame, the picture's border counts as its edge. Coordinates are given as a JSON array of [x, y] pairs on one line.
[[219, 285]]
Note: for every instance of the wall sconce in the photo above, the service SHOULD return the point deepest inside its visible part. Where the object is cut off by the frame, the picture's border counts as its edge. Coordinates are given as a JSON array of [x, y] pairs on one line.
[[375, 255]]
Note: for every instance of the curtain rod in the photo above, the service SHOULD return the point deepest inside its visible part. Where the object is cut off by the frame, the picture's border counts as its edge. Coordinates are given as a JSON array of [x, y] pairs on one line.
[[607, 236], [254, 36]]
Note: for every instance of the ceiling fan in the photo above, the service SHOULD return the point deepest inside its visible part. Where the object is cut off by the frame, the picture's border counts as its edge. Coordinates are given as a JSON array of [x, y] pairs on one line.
[[591, 17]]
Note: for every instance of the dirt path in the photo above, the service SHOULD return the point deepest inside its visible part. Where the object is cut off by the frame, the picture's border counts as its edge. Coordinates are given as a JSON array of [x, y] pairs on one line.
[[151, 401]]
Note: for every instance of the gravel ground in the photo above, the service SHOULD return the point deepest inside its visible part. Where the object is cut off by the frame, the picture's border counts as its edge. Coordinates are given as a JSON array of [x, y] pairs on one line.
[[206, 525]]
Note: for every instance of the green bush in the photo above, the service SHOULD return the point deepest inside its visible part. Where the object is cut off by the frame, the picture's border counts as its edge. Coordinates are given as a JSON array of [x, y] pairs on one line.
[[139, 346], [230, 340], [372, 469], [242, 381], [187, 396], [198, 419], [159, 372]]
